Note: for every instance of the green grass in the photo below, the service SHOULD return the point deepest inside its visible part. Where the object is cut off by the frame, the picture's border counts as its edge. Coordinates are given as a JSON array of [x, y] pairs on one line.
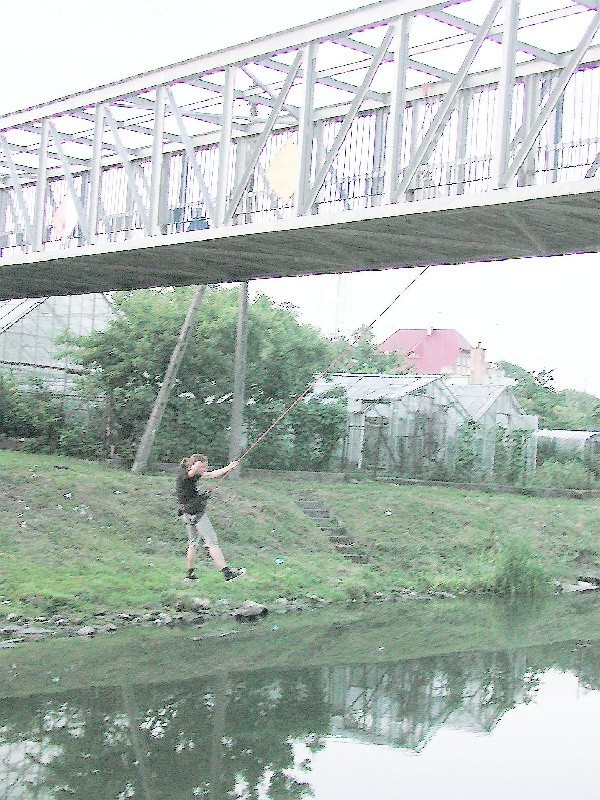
[[77, 537]]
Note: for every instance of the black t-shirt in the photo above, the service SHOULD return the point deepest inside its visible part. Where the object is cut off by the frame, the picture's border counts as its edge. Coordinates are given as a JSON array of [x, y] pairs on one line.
[[192, 501]]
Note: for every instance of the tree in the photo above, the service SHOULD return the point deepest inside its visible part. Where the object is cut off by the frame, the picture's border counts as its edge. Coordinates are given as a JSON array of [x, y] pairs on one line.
[[128, 360], [365, 358], [557, 410]]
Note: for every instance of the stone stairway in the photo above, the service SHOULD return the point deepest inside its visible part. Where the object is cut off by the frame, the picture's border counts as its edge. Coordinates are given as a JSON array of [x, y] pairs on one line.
[[343, 541]]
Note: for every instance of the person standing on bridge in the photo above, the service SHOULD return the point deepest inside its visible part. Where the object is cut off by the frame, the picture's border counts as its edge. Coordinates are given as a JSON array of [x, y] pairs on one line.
[[192, 509]]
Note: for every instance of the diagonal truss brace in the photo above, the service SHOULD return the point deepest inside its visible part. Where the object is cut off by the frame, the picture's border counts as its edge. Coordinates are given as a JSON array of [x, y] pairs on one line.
[[191, 154], [128, 168], [553, 98], [378, 57], [293, 111], [29, 232], [445, 109], [83, 222], [262, 139], [471, 27]]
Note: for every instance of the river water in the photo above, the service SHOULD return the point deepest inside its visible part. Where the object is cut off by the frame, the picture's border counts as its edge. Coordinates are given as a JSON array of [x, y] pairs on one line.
[[507, 724]]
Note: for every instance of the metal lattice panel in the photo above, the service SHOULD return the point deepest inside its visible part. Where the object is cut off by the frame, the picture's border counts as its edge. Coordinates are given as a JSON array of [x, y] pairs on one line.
[[396, 103]]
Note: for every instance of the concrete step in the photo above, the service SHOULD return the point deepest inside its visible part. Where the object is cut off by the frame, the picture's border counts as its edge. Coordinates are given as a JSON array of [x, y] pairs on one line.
[[343, 539], [342, 542], [357, 558]]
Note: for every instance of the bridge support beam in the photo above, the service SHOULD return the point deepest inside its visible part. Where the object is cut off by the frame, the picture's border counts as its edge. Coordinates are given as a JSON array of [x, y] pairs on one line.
[[236, 436]]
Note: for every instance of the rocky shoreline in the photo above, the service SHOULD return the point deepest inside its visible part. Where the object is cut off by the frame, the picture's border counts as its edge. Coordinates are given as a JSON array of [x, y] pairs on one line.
[[16, 629]]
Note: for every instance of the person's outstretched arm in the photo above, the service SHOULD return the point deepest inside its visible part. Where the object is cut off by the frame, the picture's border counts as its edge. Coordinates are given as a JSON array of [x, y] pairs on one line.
[[219, 473]]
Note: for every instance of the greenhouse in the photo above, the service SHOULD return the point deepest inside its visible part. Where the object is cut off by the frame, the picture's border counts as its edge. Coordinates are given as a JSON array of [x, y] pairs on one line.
[[31, 332]]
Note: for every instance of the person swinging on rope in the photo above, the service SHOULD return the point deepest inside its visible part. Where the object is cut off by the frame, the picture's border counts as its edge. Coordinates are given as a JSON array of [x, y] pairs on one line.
[[192, 510]]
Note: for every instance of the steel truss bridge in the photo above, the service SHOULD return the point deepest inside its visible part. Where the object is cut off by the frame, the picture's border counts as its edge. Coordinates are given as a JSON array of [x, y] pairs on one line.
[[402, 133]]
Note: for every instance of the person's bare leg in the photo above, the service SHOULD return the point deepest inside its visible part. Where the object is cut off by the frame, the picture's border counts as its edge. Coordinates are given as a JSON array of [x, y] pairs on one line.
[[217, 556], [191, 556], [207, 532]]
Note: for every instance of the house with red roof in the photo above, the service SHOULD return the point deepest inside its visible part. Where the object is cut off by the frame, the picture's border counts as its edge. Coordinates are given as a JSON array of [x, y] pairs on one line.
[[441, 351]]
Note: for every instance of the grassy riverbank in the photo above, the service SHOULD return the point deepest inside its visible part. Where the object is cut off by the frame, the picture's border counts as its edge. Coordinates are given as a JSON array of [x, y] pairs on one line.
[[77, 538]]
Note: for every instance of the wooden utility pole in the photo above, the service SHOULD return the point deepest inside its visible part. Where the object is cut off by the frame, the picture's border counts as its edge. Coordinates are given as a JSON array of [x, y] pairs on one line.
[[236, 437], [153, 424]]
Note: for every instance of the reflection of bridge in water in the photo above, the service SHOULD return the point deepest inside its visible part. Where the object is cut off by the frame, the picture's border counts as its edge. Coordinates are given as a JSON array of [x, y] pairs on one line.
[[403, 133]]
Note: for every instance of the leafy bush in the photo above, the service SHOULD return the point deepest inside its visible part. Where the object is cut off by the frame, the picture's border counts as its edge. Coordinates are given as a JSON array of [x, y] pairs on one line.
[[518, 569], [573, 474], [14, 412], [128, 360]]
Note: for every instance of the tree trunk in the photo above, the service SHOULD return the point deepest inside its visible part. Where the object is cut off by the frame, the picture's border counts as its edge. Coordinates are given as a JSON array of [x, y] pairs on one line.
[[153, 424]]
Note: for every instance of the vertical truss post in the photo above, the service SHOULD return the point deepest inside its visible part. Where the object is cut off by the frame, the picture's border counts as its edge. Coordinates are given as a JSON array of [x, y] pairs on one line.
[[306, 124], [130, 206], [163, 204], [40, 189], [243, 146], [461, 139], [374, 187], [556, 138], [225, 144], [3, 202], [505, 89], [416, 108], [183, 189], [236, 436], [95, 174], [395, 128], [83, 237], [567, 73], [532, 99], [157, 160]]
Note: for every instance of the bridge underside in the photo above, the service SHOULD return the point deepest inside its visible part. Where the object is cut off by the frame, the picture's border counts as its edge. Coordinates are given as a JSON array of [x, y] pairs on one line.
[[463, 229]]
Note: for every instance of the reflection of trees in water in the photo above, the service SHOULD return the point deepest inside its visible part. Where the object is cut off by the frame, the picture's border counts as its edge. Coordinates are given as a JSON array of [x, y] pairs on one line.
[[239, 735], [403, 704], [177, 741]]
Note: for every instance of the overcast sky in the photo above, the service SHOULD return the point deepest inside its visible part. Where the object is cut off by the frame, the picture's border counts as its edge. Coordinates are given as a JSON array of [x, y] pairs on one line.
[[539, 313]]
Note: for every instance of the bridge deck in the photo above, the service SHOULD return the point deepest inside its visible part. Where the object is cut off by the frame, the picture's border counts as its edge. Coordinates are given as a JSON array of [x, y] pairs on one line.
[[531, 221]]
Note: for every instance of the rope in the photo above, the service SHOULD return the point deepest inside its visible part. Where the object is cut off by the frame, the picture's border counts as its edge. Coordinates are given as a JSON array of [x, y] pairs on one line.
[[340, 355]]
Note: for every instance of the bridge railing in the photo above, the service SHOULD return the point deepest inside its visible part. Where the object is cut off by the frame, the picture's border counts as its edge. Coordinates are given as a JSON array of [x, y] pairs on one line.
[[163, 160]]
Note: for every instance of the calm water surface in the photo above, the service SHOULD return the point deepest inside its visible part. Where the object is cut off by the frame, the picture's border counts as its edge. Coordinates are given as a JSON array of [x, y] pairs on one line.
[[511, 725]]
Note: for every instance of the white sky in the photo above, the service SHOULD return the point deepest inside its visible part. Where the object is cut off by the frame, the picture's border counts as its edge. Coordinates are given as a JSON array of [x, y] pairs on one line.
[[539, 313]]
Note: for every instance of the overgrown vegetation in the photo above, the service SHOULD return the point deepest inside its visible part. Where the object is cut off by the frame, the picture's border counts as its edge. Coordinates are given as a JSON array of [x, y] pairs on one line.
[[565, 409], [518, 570], [126, 363], [76, 537]]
